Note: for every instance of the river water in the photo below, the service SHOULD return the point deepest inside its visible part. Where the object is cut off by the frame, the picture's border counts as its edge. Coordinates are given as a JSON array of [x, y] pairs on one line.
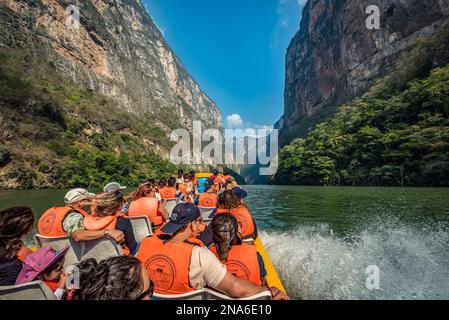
[[322, 240]]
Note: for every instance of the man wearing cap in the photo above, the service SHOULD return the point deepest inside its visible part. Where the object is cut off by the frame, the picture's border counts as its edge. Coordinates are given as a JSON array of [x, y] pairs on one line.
[[178, 263], [69, 220], [207, 199]]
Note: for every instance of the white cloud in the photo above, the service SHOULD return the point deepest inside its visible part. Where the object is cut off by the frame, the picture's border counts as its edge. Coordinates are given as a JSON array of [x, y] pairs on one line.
[[234, 121]]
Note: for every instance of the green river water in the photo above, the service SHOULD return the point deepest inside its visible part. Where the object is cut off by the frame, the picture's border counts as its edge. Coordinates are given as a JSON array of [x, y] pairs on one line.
[[322, 240]]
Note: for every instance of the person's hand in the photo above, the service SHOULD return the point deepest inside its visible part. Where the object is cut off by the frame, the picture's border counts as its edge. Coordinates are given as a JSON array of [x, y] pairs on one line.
[[117, 235], [62, 281], [277, 294]]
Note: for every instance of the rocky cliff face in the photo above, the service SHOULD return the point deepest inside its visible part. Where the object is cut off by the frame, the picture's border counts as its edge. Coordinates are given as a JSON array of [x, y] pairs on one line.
[[117, 51], [335, 57]]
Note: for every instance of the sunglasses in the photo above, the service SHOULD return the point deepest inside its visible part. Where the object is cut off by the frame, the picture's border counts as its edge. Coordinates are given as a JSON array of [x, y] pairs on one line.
[[147, 293]]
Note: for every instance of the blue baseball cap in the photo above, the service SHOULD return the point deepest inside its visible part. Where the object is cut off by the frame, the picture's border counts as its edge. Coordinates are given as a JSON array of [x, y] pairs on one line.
[[208, 184], [183, 214], [239, 192], [215, 172]]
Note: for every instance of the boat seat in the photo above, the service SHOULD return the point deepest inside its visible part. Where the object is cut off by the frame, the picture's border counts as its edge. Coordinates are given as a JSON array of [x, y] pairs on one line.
[[170, 204], [209, 294], [99, 250], [57, 243], [215, 295], [206, 213], [141, 227], [195, 295], [36, 290]]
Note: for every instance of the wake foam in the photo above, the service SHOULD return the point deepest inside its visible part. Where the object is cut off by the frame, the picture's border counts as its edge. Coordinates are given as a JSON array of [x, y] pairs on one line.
[[313, 263]]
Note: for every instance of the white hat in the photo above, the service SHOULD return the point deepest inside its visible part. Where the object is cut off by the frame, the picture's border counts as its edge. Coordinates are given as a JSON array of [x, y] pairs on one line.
[[77, 195], [113, 187]]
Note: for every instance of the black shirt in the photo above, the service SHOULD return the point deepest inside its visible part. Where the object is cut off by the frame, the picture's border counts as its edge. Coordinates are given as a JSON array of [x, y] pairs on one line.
[[126, 227], [9, 271]]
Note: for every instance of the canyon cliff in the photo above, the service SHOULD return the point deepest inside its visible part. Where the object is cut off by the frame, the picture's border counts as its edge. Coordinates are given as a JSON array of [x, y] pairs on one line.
[[335, 58]]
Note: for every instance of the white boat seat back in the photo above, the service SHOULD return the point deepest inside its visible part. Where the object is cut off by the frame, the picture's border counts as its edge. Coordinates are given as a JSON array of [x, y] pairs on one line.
[[141, 227], [35, 290], [100, 249], [209, 294], [206, 212], [170, 204], [215, 295], [57, 243], [195, 295]]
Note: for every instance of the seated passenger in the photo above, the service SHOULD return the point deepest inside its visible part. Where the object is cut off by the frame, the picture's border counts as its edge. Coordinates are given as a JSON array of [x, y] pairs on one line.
[[231, 202], [15, 224], [209, 198], [107, 217], [240, 258], [114, 187], [46, 265], [69, 220], [168, 190], [118, 278], [187, 189], [144, 203], [196, 266]]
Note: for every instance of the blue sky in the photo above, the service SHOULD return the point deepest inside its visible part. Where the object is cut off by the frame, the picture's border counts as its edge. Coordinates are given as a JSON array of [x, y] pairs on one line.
[[234, 49]]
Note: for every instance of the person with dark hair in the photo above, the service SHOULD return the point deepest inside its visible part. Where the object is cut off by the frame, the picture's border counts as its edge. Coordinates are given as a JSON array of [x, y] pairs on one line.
[[145, 203], [240, 258], [187, 189], [15, 223], [230, 202], [106, 216], [217, 180], [178, 263], [118, 278], [226, 177], [180, 177], [171, 192], [195, 181]]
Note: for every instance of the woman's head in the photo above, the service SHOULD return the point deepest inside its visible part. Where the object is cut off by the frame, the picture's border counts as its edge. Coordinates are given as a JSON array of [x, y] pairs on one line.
[[172, 182], [15, 223], [180, 173], [145, 190], [108, 204], [225, 233], [228, 200], [162, 183], [118, 278]]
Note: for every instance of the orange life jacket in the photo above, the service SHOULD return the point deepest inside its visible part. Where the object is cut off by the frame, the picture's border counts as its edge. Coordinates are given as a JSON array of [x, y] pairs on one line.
[[183, 189], [52, 284], [50, 223], [168, 193], [225, 178], [245, 220], [168, 264], [207, 200], [104, 223], [149, 207], [23, 253], [242, 262]]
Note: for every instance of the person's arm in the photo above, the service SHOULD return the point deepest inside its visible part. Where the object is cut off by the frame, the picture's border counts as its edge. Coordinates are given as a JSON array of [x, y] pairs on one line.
[[238, 288], [73, 224]]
